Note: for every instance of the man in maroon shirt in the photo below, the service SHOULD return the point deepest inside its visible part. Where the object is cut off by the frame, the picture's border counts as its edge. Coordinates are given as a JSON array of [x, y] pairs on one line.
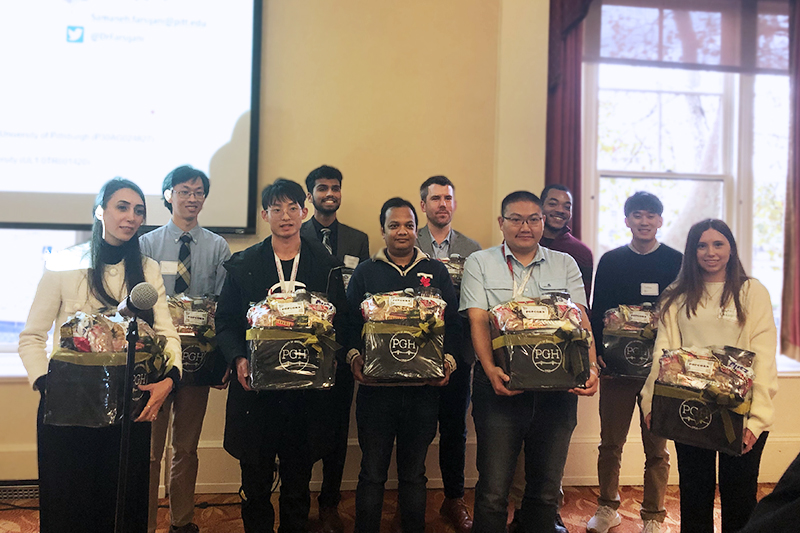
[[557, 209]]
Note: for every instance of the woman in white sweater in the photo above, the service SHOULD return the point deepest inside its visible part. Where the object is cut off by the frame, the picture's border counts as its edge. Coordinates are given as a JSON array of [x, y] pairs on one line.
[[78, 465], [714, 302]]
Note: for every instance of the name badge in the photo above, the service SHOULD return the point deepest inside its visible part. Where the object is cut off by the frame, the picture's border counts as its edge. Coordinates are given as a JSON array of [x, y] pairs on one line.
[[729, 313], [649, 289], [350, 261], [169, 268]]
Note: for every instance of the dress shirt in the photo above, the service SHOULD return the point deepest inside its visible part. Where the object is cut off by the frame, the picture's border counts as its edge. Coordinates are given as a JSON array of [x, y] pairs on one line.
[[208, 252], [442, 250], [334, 240], [487, 281]]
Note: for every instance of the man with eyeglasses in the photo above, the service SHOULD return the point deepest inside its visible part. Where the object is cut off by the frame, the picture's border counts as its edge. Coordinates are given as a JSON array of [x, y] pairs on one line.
[[179, 244], [505, 420], [296, 426]]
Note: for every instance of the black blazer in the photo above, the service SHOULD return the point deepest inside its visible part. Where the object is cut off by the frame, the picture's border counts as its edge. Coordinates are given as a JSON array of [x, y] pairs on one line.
[[257, 421], [350, 241]]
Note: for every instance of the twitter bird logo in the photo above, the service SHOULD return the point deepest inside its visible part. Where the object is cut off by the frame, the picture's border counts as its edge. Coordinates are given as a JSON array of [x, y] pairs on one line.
[[74, 34]]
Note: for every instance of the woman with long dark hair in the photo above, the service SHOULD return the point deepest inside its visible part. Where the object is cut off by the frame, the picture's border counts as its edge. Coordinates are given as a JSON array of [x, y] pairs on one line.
[[714, 302], [78, 466]]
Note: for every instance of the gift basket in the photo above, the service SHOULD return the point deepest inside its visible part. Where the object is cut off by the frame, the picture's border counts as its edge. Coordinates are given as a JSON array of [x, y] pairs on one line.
[[629, 333], [193, 317], [86, 373], [702, 397], [540, 343], [404, 335], [291, 341]]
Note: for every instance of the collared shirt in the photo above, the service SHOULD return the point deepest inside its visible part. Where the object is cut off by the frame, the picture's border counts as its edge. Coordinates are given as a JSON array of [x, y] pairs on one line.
[[487, 281], [441, 250], [208, 251], [334, 227]]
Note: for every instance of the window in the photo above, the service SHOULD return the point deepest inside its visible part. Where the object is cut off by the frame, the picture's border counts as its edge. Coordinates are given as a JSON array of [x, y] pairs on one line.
[[689, 101]]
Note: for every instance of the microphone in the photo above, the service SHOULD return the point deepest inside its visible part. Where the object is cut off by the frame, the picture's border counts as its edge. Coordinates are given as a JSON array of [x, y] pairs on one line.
[[141, 298]]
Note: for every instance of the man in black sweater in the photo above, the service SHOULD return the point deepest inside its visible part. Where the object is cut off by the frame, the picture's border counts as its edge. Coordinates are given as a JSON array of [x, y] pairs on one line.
[[408, 414], [632, 274]]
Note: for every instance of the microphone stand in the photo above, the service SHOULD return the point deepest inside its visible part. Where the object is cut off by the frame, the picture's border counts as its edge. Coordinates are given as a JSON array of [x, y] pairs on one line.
[[122, 480]]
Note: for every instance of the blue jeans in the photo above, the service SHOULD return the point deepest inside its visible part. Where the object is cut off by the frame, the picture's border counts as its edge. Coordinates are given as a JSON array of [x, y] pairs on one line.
[[408, 414], [544, 422]]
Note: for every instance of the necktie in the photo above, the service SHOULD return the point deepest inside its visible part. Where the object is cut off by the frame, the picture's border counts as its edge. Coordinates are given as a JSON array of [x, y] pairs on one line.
[[184, 265], [326, 239]]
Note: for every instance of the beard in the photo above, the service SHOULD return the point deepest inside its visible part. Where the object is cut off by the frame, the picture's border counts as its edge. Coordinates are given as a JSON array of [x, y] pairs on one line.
[[324, 210]]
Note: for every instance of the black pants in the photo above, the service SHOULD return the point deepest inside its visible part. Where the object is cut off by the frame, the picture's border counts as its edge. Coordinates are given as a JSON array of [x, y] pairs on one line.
[[780, 510], [258, 515], [78, 470], [333, 463], [738, 485], [454, 401]]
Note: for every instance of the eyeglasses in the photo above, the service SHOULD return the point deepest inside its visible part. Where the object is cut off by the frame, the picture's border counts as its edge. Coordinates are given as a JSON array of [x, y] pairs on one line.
[[517, 222], [185, 195]]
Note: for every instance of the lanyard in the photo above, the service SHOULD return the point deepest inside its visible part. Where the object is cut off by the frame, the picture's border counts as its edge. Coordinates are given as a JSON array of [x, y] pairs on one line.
[[287, 286], [518, 289]]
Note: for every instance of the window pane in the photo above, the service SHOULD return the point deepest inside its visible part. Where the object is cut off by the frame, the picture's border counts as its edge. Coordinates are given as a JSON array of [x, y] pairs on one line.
[[629, 32], [773, 35], [692, 37], [770, 169], [666, 120], [21, 276], [685, 202]]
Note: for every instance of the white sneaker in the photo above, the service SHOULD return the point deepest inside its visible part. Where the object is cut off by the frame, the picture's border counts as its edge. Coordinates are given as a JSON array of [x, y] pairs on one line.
[[651, 526], [604, 519]]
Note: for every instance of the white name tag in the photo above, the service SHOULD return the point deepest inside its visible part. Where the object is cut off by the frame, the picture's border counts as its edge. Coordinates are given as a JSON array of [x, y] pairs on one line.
[[401, 301], [649, 289], [535, 312], [169, 268], [350, 261], [703, 367], [291, 308], [195, 318]]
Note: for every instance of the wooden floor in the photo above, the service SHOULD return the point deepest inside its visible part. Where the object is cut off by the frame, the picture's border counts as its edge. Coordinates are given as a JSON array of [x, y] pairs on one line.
[[219, 513]]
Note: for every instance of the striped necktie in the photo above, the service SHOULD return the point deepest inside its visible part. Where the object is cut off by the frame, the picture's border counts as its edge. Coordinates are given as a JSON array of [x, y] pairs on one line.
[[326, 239], [184, 265]]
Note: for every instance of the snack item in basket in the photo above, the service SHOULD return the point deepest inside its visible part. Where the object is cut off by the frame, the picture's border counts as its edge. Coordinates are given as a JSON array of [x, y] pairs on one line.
[[192, 314], [546, 314], [633, 318], [725, 368], [297, 310], [422, 303]]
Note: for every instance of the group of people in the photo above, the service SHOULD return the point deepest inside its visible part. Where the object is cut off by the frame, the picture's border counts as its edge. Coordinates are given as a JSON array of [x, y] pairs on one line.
[[522, 437]]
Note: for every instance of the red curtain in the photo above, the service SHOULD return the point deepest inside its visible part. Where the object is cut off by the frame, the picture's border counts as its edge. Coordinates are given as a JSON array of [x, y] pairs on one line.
[[565, 56], [790, 319]]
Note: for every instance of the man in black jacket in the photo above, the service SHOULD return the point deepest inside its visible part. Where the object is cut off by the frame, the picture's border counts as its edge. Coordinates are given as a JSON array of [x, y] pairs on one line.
[[292, 424], [406, 413]]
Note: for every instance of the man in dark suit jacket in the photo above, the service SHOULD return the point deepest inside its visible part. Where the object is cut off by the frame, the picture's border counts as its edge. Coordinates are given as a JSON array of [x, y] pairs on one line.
[[440, 241], [324, 185], [350, 246]]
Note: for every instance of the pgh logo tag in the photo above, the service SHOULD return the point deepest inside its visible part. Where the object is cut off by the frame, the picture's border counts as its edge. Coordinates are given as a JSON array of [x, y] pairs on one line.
[[193, 358], [547, 357], [294, 357], [695, 414], [403, 347], [139, 378], [637, 353]]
